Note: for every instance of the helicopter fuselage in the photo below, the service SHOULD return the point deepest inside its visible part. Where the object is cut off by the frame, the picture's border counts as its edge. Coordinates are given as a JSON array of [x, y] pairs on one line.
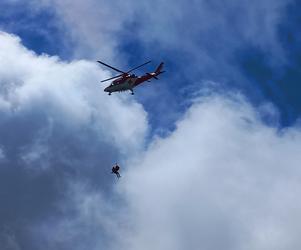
[[127, 83], [121, 84]]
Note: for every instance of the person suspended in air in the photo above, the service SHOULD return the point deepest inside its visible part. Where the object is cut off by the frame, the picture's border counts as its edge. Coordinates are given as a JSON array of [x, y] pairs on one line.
[[115, 170]]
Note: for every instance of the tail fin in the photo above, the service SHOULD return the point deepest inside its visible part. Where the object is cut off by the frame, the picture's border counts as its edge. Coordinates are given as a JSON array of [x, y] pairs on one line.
[[158, 70]]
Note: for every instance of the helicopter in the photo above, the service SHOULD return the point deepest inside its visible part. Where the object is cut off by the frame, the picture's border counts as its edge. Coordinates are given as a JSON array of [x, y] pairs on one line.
[[126, 81]]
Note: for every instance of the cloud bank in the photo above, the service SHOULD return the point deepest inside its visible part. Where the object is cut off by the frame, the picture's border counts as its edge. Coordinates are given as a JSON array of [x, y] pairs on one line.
[[69, 93], [221, 180], [56, 125]]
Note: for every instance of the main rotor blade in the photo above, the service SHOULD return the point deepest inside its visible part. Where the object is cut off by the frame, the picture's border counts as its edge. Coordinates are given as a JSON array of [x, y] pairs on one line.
[[111, 67], [138, 67], [111, 78]]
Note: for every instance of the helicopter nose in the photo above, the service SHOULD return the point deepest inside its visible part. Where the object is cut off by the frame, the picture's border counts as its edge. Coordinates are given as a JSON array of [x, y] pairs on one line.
[[106, 89]]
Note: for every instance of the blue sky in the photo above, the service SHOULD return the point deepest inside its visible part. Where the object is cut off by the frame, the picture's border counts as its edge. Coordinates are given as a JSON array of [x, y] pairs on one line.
[[232, 79]]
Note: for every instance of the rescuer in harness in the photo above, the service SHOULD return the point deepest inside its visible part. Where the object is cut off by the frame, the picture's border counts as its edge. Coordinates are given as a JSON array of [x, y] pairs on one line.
[[115, 170]]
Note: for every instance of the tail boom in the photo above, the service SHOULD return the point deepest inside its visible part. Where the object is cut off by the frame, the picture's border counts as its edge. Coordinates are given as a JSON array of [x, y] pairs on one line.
[[158, 70]]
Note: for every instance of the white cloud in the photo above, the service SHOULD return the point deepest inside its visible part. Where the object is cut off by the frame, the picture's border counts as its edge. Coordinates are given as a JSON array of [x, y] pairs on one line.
[[69, 93], [221, 180], [56, 126]]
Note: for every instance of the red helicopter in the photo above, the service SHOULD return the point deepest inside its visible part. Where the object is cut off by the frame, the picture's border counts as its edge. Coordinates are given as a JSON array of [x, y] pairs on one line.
[[126, 81]]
